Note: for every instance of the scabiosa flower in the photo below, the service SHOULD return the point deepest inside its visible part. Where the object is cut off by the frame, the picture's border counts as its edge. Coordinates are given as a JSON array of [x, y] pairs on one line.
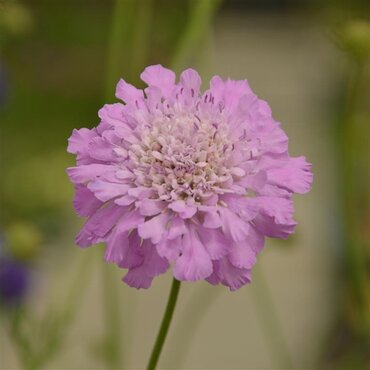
[[183, 178]]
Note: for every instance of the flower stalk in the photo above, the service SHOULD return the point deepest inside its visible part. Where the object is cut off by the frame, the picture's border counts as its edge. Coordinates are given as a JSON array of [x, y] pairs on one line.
[[166, 321]]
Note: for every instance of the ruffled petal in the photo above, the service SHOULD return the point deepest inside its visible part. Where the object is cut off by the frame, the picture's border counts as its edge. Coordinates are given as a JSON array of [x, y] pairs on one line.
[[153, 265], [295, 176], [159, 77], [133, 255], [232, 276], [84, 173], [242, 255], [212, 219], [117, 245], [191, 80], [99, 225], [232, 225], [135, 278], [104, 190], [215, 242], [112, 115], [79, 140], [131, 220], [127, 92], [154, 228], [177, 228], [194, 262], [276, 217], [183, 209], [169, 248], [84, 201], [150, 207], [101, 149]]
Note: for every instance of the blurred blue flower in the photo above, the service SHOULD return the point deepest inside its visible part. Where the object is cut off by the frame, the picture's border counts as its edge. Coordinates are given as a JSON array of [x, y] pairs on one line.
[[14, 281]]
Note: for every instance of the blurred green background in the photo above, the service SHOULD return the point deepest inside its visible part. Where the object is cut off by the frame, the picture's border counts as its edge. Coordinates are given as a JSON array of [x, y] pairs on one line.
[[308, 306]]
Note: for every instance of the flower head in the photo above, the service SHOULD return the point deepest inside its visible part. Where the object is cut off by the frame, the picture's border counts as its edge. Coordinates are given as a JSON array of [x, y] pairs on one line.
[[183, 178]]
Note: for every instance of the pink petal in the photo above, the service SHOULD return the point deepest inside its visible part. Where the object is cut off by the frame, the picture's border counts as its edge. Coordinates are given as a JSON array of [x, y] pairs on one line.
[[276, 217], [169, 248], [136, 279], [245, 207], [232, 225], [212, 219], [79, 140], [154, 228], [215, 242], [127, 92], [85, 202], [176, 228], [133, 255], [84, 173], [125, 200], [104, 190], [101, 150], [131, 220], [99, 225], [242, 255], [232, 276], [159, 77], [153, 265], [150, 207], [112, 114], [191, 80], [117, 245], [183, 209], [194, 262], [295, 176]]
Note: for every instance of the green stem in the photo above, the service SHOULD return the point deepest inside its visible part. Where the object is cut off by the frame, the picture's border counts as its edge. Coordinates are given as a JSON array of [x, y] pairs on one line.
[[165, 325], [269, 320]]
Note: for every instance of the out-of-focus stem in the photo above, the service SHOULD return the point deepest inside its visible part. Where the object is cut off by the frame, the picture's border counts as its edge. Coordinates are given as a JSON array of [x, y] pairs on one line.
[[201, 14], [21, 342], [122, 19], [140, 36], [348, 152], [269, 320], [57, 328], [118, 44]]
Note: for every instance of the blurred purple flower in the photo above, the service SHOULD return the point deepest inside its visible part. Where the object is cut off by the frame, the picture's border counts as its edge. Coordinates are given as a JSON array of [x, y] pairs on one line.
[[13, 281], [180, 177]]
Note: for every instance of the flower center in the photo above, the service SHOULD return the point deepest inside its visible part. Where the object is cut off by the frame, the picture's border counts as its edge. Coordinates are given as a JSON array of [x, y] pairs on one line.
[[182, 156]]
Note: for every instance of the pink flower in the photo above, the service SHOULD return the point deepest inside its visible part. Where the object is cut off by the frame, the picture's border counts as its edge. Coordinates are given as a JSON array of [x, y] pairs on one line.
[[183, 178]]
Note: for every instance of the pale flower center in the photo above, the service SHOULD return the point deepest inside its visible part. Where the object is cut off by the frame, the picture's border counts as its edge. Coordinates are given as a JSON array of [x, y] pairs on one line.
[[183, 157]]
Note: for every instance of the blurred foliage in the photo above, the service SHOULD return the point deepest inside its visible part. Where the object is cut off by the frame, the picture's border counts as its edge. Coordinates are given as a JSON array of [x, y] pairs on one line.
[[22, 240], [15, 20], [354, 38]]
